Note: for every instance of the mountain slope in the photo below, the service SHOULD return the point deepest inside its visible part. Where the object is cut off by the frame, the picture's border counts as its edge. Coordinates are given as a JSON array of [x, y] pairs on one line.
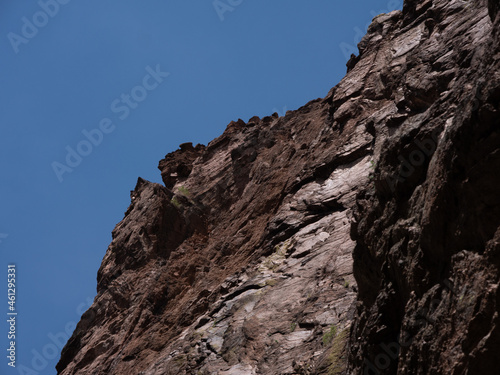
[[322, 241]]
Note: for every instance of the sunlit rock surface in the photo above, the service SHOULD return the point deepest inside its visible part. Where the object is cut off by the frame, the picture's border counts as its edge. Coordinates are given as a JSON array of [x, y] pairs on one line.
[[357, 234]]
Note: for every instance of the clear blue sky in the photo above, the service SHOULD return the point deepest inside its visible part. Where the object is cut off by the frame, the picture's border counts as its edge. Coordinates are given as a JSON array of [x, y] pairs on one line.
[[91, 64]]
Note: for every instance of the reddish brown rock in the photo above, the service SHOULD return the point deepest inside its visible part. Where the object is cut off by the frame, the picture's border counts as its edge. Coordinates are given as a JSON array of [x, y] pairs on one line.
[[243, 263], [177, 165]]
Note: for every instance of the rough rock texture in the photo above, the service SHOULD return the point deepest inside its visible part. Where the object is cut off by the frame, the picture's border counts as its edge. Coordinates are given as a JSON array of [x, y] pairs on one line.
[[177, 166], [427, 252], [244, 266], [243, 262]]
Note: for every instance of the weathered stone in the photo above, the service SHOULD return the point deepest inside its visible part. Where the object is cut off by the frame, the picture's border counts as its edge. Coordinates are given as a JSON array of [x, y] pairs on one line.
[[243, 263]]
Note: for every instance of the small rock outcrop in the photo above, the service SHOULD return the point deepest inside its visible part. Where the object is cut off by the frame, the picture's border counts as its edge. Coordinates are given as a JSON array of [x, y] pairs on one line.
[[177, 166], [358, 234]]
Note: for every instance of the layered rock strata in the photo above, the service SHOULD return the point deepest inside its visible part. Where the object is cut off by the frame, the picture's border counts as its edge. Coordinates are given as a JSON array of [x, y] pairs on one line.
[[357, 234]]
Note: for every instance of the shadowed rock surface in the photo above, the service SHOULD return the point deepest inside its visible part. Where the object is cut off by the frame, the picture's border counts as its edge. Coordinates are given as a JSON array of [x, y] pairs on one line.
[[427, 236], [357, 234]]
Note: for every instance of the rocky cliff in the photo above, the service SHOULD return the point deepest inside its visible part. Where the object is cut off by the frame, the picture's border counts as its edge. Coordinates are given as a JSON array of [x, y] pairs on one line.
[[357, 234]]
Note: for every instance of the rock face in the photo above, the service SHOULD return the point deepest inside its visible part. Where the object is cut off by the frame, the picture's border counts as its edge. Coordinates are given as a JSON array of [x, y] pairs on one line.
[[357, 234], [427, 236]]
